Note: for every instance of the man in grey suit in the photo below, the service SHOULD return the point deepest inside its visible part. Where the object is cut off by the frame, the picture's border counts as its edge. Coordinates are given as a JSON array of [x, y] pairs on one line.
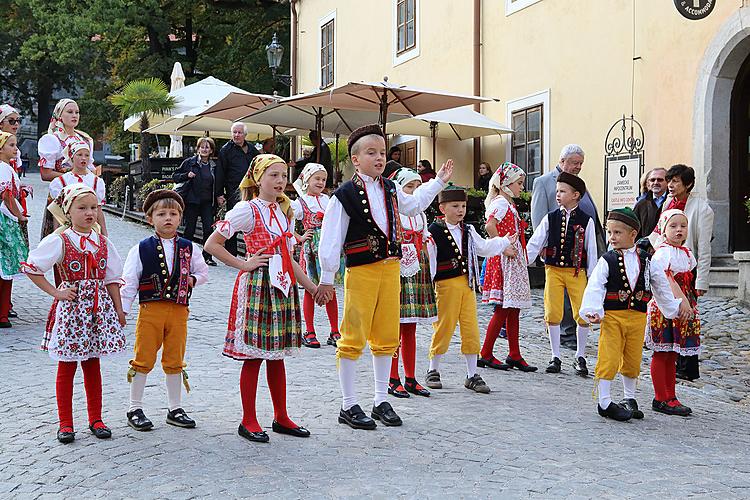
[[543, 201]]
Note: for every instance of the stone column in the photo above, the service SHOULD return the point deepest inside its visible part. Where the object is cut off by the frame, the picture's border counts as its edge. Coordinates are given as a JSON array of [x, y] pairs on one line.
[[743, 282]]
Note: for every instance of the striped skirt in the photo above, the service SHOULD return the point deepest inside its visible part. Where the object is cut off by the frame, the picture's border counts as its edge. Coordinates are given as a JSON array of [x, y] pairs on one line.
[[418, 295]]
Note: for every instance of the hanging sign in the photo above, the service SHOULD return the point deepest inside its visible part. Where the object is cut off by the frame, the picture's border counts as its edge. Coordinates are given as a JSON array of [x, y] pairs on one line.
[[623, 176], [695, 9]]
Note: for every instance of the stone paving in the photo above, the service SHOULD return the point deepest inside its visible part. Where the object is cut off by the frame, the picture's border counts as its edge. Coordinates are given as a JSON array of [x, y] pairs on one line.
[[535, 435]]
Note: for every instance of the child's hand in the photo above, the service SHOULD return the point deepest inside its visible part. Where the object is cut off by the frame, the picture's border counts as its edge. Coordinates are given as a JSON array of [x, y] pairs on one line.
[[510, 251], [513, 238], [324, 294], [66, 294], [121, 317], [593, 318], [446, 171], [686, 312], [256, 261], [306, 235]]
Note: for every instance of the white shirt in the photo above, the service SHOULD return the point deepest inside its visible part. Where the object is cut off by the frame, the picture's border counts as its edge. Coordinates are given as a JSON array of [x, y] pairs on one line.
[[9, 178], [58, 183], [336, 220], [242, 219], [314, 203], [485, 247], [539, 240], [596, 288], [51, 251], [134, 269]]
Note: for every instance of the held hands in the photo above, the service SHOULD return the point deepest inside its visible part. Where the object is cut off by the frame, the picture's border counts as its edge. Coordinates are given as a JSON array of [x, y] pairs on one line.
[[121, 317], [66, 294], [686, 312], [700, 293], [254, 262], [306, 235], [593, 318], [510, 250], [446, 171], [323, 294]]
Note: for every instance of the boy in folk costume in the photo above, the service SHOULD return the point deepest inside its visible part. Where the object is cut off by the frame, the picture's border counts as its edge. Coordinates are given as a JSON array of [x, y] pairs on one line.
[[309, 208], [162, 271], [362, 219], [567, 238], [456, 278], [417, 293], [506, 282], [616, 296]]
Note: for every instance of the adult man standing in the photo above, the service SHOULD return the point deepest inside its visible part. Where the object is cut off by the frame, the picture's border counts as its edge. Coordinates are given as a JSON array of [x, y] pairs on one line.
[[325, 157], [543, 201], [394, 161], [269, 146], [234, 160], [648, 206]]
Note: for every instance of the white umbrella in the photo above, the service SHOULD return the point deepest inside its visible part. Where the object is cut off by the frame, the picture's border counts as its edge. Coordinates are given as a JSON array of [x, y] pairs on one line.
[[192, 125], [178, 82]]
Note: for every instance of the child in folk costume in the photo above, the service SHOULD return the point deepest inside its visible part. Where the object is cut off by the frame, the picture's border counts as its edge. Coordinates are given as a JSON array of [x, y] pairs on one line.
[[78, 155], [10, 121], [456, 276], [616, 296], [86, 319], [13, 247], [417, 293], [161, 271], [362, 219], [567, 238], [309, 208], [264, 318], [506, 282], [666, 337]]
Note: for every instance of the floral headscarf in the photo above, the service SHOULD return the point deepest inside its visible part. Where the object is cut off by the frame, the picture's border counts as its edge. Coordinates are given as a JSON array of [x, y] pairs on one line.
[[4, 136], [302, 182], [404, 176], [257, 167], [56, 125], [71, 149], [505, 175], [60, 206], [658, 237]]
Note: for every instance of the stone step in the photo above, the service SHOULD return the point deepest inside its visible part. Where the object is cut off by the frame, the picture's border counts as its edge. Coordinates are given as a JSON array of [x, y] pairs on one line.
[[728, 275], [723, 260]]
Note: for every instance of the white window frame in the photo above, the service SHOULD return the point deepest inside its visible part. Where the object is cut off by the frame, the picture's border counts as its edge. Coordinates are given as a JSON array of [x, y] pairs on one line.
[[331, 16], [540, 98], [414, 51], [513, 6]]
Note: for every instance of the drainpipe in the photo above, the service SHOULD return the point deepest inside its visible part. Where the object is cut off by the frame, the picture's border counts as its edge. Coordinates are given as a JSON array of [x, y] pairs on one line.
[[477, 78], [293, 66]]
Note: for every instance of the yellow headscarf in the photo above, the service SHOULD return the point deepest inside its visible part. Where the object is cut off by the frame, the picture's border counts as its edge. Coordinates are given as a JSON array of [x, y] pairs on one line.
[[258, 166], [56, 125], [60, 206], [4, 136]]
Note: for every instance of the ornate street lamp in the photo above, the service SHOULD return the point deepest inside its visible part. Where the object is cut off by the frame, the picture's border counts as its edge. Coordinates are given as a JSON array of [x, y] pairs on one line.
[[275, 52]]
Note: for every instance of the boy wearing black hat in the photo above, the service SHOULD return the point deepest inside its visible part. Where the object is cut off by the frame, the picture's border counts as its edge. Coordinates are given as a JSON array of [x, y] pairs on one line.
[[162, 271], [456, 277], [616, 296], [362, 220], [566, 238]]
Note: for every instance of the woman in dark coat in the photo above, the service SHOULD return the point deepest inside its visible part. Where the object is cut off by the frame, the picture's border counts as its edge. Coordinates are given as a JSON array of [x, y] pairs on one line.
[[195, 179]]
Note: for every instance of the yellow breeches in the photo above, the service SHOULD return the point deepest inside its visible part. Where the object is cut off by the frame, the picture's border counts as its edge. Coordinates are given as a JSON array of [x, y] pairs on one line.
[[456, 304], [557, 280], [371, 309], [621, 344], [160, 323]]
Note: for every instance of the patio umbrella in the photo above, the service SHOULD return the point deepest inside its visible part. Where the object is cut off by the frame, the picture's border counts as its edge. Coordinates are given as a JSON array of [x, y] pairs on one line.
[[178, 82], [238, 105], [190, 125]]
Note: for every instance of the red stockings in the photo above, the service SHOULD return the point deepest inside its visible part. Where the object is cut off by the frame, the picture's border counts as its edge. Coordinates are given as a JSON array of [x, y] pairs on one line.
[[308, 310], [92, 381], [663, 375], [408, 334], [276, 377]]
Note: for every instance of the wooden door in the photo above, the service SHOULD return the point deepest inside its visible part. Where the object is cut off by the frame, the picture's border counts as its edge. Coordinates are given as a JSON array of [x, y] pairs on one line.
[[409, 154]]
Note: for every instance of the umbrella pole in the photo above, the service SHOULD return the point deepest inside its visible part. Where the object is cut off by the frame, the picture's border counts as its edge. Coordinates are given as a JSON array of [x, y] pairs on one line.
[[433, 133], [384, 114], [318, 127], [336, 172]]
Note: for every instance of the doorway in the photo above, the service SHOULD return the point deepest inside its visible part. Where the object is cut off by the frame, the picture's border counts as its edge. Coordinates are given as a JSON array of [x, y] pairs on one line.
[[739, 166]]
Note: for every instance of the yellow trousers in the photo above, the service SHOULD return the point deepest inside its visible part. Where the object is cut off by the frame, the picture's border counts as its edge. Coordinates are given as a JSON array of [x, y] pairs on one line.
[[456, 304], [557, 280], [621, 344], [160, 323], [372, 295]]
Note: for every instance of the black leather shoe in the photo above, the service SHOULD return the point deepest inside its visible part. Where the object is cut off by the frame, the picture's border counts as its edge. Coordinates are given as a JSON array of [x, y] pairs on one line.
[[678, 374], [663, 407], [255, 437], [632, 405], [100, 432], [615, 412], [493, 363], [211, 262], [554, 366], [579, 365], [138, 421], [12, 313], [396, 389], [310, 340], [333, 338], [179, 418], [355, 418], [66, 436], [519, 364], [411, 385], [299, 432], [6, 324], [384, 412], [432, 379]]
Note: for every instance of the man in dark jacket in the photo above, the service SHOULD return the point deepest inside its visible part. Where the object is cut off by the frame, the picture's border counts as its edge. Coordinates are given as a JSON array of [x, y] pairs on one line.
[[648, 206], [234, 160], [325, 157]]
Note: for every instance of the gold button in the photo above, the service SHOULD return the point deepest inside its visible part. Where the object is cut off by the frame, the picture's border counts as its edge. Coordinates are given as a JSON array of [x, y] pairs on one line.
[[161, 255], [168, 296], [460, 257], [453, 243], [562, 263], [162, 264], [369, 220], [367, 210], [362, 192], [158, 247], [445, 231], [163, 271], [456, 250], [364, 202]]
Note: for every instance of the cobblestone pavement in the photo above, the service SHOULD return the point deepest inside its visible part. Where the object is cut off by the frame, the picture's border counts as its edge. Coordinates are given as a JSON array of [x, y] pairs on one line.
[[535, 435]]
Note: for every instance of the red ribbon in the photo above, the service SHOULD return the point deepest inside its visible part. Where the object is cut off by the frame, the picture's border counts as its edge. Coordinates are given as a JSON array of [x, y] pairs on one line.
[[281, 241], [91, 266], [415, 237]]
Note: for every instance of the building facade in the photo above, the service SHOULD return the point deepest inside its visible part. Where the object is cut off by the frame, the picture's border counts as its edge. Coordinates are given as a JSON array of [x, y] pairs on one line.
[[562, 72]]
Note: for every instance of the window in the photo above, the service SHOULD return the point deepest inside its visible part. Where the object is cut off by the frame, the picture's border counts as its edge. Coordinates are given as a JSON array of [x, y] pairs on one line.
[[326, 54], [405, 25], [512, 6], [526, 149]]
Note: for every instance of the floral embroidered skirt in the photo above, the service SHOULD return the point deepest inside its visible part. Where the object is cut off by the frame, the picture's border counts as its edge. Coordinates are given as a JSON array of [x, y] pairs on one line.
[[418, 294], [673, 335], [506, 282], [311, 264], [13, 248], [263, 323]]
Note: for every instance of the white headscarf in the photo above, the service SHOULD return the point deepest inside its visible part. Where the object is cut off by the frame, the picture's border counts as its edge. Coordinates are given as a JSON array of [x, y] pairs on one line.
[[658, 237], [302, 182], [6, 110], [505, 175], [404, 176]]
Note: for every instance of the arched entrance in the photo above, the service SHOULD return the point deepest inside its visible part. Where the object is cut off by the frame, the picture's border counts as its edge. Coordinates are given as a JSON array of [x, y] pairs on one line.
[[739, 160]]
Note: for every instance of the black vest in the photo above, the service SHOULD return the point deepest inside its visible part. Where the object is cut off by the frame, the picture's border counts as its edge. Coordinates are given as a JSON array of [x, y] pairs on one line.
[[156, 282], [451, 261], [566, 243], [365, 242], [619, 295]]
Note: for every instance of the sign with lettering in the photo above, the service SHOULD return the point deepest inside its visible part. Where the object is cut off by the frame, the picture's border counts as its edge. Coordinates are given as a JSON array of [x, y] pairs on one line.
[[622, 181], [695, 9]]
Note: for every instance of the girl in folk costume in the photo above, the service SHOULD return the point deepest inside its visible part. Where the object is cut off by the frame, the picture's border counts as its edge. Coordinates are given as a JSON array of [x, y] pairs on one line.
[[506, 282], [10, 121], [61, 133], [78, 155], [309, 208], [417, 293], [668, 338], [86, 319], [264, 317], [13, 246]]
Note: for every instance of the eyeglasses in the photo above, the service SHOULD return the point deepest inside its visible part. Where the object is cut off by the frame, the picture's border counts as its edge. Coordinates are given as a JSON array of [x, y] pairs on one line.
[[657, 179], [13, 121]]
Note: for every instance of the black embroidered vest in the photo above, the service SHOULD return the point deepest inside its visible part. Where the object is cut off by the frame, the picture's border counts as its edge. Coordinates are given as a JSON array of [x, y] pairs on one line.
[[619, 294], [566, 242], [156, 282], [451, 261]]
